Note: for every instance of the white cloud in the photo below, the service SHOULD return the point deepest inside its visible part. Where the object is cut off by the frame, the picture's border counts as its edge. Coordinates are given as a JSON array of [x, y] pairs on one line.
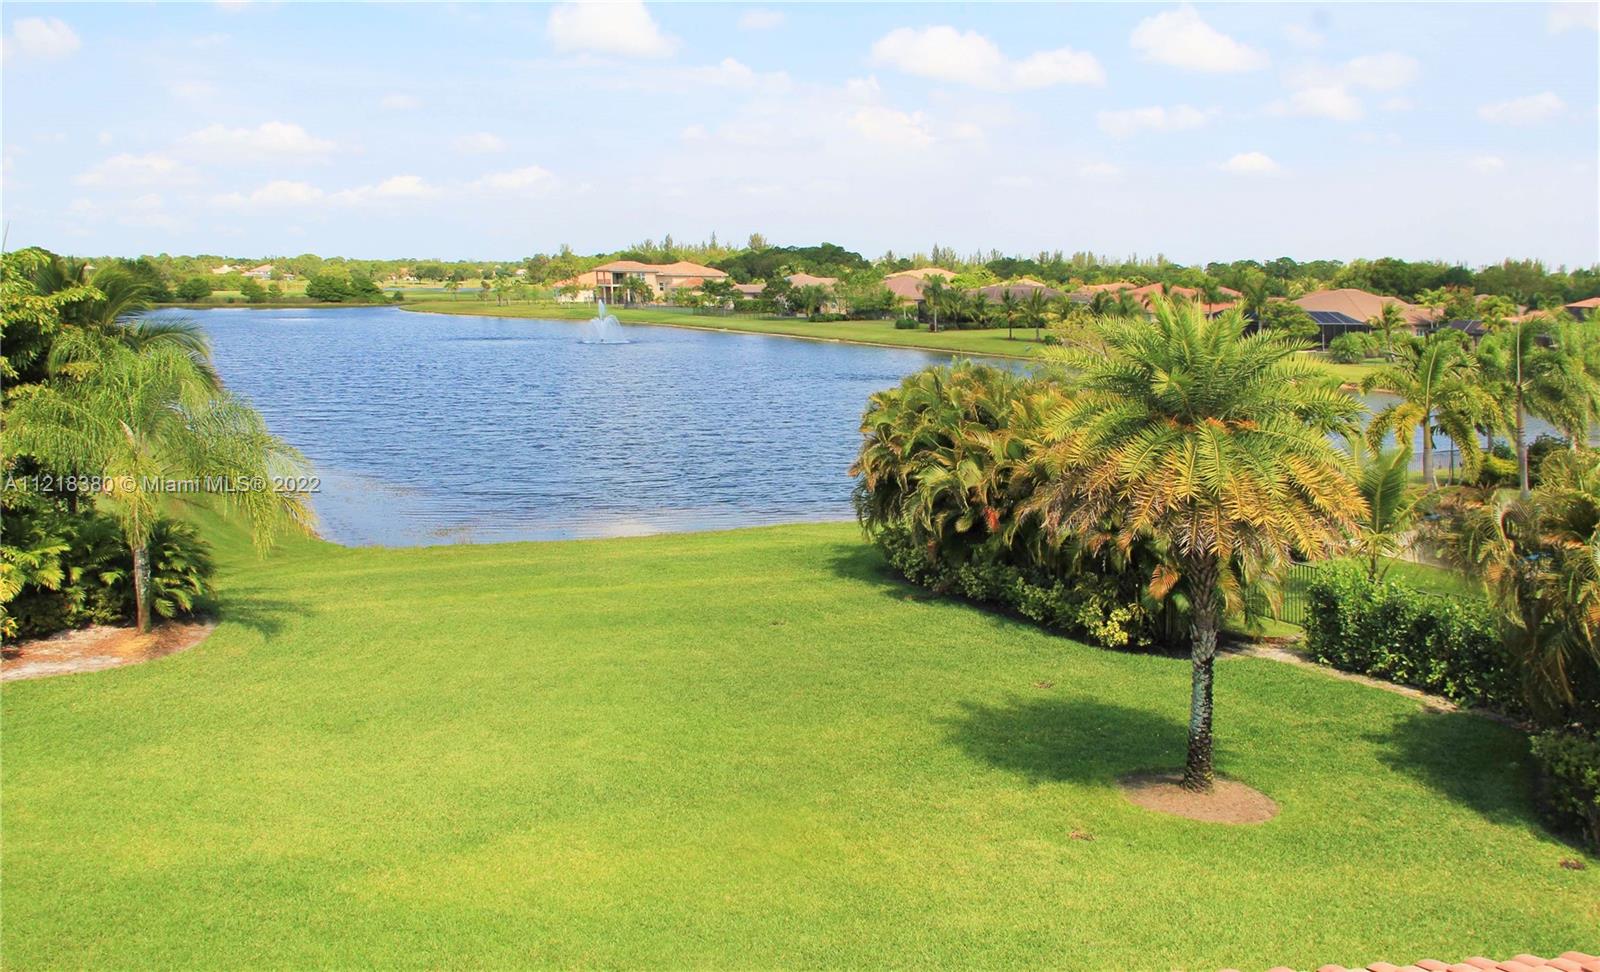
[[892, 127], [1486, 163], [1302, 36], [760, 19], [400, 102], [394, 187], [1397, 104], [274, 138], [41, 37], [126, 169], [1250, 163], [732, 73], [1131, 121], [623, 27], [1331, 101], [192, 90], [479, 142], [1529, 110], [1574, 16], [1381, 72], [527, 179], [1099, 170], [968, 57], [1182, 39], [279, 192]]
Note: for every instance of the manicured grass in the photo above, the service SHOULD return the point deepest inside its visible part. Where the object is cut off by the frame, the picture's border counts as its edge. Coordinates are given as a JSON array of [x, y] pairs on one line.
[[1350, 374], [746, 749], [985, 342]]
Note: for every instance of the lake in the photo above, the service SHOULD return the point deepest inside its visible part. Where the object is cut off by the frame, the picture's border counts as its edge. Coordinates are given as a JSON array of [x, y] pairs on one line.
[[430, 429]]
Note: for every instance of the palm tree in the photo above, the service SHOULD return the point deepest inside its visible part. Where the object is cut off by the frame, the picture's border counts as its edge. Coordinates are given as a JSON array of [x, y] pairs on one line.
[[1127, 305], [1382, 477], [1436, 382], [1386, 322], [1514, 368], [1575, 376], [933, 297], [1036, 309], [1010, 307], [1435, 300], [144, 415], [1212, 443], [1539, 558], [1101, 302], [452, 287]]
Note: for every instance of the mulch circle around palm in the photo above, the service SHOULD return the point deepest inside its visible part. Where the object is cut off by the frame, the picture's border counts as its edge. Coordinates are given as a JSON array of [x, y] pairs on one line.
[[1228, 801], [98, 648]]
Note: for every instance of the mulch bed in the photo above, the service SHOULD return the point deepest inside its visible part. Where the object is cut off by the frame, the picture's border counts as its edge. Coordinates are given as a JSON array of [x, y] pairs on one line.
[[1229, 801], [98, 648]]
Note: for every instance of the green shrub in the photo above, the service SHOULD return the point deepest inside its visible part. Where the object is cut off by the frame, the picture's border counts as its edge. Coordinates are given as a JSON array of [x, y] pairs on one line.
[[906, 323], [1348, 349], [1568, 762], [1449, 646]]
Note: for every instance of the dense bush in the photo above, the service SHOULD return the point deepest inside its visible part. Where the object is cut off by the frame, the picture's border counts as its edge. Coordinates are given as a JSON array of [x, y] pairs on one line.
[[1449, 646], [942, 473], [1569, 781], [72, 568], [906, 323], [1348, 349]]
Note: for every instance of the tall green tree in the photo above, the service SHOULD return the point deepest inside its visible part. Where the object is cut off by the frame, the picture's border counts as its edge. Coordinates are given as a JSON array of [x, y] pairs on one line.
[[1437, 385], [1518, 370], [1383, 477], [1214, 444], [1388, 322], [142, 415], [1036, 311]]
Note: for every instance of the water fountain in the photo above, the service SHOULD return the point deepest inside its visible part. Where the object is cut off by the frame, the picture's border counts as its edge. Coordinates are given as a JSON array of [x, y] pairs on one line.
[[603, 328]]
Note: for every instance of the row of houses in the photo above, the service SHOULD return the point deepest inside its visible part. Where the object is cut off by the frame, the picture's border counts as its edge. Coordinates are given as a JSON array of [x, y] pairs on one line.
[[262, 272], [1337, 311]]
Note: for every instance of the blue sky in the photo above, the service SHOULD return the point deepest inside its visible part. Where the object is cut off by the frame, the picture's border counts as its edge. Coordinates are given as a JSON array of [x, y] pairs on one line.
[[1458, 132]]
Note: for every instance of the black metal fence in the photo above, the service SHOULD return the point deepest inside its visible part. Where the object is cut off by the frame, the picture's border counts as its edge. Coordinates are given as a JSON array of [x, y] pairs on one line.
[[1295, 600]]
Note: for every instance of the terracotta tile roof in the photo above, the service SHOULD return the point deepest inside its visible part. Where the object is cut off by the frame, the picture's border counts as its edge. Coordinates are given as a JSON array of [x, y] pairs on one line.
[[807, 280], [1096, 288], [921, 273], [906, 288], [1359, 304], [683, 268], [1565, 962], [1020, 290], [1588, 303], [750, 289]]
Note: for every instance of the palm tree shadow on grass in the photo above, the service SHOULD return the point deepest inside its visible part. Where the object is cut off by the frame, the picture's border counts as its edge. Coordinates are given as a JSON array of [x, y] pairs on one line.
[[264, 615], [1051, 740], [1466, 758]]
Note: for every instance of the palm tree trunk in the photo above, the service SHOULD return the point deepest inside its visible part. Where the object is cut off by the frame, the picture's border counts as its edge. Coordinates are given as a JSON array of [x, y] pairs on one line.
[[1427, 457], [1522, 451], [141, 588], [1197, 768]]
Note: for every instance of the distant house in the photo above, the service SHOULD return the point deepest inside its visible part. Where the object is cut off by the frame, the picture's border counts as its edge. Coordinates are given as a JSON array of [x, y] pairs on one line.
[[751, 289], [1346, 310], [920, 273], [225, 269], [1018, 289], [263, 272], [810, 280], [1585, 309], [1145, 293], [578, 290], [662, 278]]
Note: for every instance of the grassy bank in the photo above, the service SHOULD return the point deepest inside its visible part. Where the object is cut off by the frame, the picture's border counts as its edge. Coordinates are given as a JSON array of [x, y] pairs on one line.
[[993, 343], [745, 749]]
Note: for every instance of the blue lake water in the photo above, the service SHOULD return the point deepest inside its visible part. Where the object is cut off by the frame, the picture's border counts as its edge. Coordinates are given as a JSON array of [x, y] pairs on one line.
[[432, 429]]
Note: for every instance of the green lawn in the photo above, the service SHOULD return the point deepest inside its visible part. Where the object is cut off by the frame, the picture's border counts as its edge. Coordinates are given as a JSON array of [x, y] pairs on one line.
[[745, 749], [985, 342]]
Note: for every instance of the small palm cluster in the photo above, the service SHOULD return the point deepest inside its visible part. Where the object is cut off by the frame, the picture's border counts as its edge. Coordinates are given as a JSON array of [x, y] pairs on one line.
[[1178, 442]]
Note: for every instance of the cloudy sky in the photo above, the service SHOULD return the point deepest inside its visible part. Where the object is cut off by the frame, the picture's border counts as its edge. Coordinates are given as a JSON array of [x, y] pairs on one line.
[[1459, 132]]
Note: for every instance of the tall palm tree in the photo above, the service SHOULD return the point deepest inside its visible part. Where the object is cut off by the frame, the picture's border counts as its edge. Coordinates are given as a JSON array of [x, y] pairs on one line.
[[142, 416], [1213, 443], [1575, 377], [1436, 382], [1518, 372], [1101, 303], [1126, 305]]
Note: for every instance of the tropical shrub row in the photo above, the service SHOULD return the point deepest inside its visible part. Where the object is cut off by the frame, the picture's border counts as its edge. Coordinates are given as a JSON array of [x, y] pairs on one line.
[[1448, 646], [1568, 762], [67, 568]]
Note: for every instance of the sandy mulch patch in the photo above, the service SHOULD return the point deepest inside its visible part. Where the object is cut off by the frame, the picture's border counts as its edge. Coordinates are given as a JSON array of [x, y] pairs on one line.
[[1229, 801], [97, 648]]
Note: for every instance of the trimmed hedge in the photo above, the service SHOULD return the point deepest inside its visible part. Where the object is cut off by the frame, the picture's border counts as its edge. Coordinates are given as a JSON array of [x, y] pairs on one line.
[[1448, 646], [1569, 782]]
